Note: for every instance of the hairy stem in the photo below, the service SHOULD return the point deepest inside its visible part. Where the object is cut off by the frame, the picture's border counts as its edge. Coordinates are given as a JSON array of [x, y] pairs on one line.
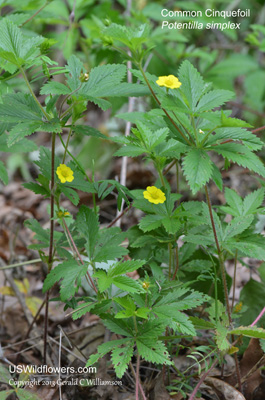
[[34, 15], [50, 259], [78, 255], [137, 378], [159, 103], [33, 94]]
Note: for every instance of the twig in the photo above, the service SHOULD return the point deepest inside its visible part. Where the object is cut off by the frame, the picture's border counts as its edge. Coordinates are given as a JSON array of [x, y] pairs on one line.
[[258, 317], [119, 216], [197, 387], [78, 254], [262, 128]]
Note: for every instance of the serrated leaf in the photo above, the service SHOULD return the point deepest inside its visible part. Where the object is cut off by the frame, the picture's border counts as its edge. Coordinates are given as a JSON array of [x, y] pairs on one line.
[[108, 245], [23, 146], [70, 194], [104, 349], [253, 201], [151, 222], [11, 39], [240, 155], [250, 140], [234, 200], [130, 151], [221, 338], [88, 131], [153, 351], [237, 226], [127, 284], [87, 224], [117, 326], [36, 188], [75, 67], [192, 83], [198, 168], [212, 99], [121, 356], [4, 374], [252, 246], [54, 87], [102, 79], [21, 130], [171, 225], [70, 273], [3, 173], [234, 122], [125, 267], [249, 331], [200, 323], [82, 310]]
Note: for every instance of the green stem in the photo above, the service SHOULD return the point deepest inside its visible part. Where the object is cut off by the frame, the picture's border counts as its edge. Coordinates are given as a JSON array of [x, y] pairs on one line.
[[21, 264], [220, 255], [159, 103], [67, 144], [177, 263], [33, 94], [195, 130], [34, 15], [207, 135], [50, 259], [234, 280], [170, 260], [160, 175]]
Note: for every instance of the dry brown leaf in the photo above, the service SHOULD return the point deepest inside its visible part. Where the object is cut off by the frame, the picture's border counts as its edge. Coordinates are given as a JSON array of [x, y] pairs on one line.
[[228, 391]]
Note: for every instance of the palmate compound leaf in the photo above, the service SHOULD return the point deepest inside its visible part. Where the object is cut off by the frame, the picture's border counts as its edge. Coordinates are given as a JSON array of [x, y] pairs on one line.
[[70, 272], [198, 168], [121, 356]]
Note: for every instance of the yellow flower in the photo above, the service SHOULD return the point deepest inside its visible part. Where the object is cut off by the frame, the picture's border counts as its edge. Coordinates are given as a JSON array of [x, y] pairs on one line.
[[65, 174], [169, 81], [154, 195], [61, 214], [238, 307]]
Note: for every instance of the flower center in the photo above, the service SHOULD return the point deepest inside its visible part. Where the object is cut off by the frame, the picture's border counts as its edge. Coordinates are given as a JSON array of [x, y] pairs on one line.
[[168, 81], [64, 173]]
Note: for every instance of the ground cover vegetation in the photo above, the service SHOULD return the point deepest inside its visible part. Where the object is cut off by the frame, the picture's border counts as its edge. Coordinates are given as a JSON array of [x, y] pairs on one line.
[[181, 118]]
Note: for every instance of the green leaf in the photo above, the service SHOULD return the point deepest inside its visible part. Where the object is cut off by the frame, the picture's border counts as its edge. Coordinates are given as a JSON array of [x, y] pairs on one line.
[[253, 201], [125, 267], [5, 375], [70, 272], [54, 87], [121, 356], [36, 188], [70, 194], [108, 245], [252, 246], [42, 235], [200, 323], [75, 67], [104, 349], [88, 131], [234, 122], [221, 338], [127, 284], [130, 151], [171, 225], [11, 39], [21, 130], [234, 200], [249, 331], [198, 168], [240, 155], [250, 140], [192, 83], [213, 99], [153, 351], [87, 224], [237, 226], [3, 173], [151, 222], [102, 80], [117, 326], [23, 146]]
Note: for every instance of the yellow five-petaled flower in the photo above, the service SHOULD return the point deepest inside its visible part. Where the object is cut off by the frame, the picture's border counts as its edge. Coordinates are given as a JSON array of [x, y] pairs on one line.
[[170, 82], [65, 174], [154, 195]]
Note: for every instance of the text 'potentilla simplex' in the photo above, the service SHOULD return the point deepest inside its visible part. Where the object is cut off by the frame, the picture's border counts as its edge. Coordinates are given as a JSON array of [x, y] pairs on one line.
[[199, 25], [208, 13]]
